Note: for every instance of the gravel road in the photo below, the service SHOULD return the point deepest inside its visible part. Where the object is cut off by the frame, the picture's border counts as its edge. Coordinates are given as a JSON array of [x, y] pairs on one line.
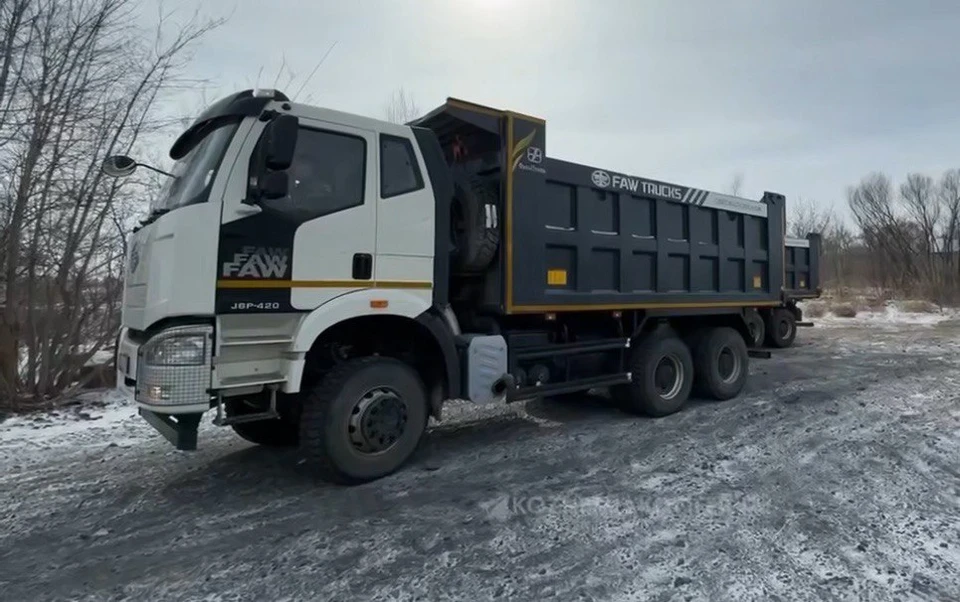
[[836, 476]]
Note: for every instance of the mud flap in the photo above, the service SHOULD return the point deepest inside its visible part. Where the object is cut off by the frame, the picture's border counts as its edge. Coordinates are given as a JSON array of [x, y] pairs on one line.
[[178, 429]]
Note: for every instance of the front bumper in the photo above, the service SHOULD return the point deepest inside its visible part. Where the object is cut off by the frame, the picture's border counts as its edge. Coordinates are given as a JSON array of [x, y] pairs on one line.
[[179, 429]]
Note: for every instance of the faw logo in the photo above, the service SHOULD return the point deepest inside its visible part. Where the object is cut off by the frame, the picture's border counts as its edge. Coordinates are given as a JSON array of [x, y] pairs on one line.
[[600, 178], [257, 262]]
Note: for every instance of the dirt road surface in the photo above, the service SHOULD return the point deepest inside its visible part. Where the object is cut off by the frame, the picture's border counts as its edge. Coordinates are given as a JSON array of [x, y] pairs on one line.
[[835, 477]]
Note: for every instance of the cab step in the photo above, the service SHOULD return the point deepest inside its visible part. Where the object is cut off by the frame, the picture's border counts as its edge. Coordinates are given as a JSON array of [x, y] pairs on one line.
[[228, 420], [221, 419]]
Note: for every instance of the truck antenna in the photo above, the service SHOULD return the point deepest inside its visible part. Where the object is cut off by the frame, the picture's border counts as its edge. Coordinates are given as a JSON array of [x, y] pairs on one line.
[[315, 69]]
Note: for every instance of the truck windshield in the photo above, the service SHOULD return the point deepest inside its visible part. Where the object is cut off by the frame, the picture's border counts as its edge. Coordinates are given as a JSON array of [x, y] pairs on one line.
[[195, 172]]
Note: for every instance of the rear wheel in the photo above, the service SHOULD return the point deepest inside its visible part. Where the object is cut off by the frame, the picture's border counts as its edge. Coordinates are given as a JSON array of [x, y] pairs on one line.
[[662, 371], [364, 420], [721, 363], [756, 327], [781, 328]]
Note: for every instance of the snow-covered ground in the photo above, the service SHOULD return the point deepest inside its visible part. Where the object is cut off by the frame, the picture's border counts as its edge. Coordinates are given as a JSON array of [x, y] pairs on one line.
[[74, 426], [890, 314], [834, 477]]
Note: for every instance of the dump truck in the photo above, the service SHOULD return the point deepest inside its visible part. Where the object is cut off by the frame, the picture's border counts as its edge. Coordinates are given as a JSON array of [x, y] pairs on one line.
[[777, 327], [324, 280]]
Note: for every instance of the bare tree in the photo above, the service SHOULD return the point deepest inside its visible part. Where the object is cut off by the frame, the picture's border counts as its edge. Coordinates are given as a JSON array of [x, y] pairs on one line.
[[886, 232], [736, 185], [401, 107], [806, 218], [839, 244], [77, 83], [948, 193], [913, 237], [922, 205]]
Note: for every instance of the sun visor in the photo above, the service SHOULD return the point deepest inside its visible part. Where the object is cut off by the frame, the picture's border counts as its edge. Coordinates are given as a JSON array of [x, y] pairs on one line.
[[248, 103]]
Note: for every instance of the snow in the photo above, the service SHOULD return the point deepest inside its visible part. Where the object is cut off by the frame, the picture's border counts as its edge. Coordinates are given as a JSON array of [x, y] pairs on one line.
[[103, 356], [96, 416], [890, 315], [826, 480]]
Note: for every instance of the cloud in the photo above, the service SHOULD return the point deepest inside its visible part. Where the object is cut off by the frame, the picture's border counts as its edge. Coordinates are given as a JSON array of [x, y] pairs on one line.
[[803, 98]]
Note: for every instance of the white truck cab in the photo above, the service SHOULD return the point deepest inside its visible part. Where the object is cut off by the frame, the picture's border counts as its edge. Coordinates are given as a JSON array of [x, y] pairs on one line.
[[279, 222]]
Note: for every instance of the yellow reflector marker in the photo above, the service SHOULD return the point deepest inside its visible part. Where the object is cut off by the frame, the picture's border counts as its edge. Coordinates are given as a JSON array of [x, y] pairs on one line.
[[557, 277], [757, 282]]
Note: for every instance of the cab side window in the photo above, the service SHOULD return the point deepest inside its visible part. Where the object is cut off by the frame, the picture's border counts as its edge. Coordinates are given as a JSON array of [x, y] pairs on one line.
[[327, 175], [399, 171]]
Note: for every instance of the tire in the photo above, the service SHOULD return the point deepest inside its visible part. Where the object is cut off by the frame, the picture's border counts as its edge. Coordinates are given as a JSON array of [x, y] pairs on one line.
[[756, 327], [268, 433], [349, 427], [660, 356], [721, 364], [781, 328], [475, 222]]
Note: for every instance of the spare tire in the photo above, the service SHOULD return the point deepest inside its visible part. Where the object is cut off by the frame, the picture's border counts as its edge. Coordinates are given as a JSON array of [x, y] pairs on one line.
[[475, 223]]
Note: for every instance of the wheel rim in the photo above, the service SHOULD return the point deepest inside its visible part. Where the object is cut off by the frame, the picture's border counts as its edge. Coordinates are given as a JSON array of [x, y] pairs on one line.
[[668, 376], [377, 421], [729, 365], [785, 329]]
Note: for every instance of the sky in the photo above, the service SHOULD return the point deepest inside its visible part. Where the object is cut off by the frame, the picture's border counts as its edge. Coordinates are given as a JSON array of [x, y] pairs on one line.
[[802, 98]]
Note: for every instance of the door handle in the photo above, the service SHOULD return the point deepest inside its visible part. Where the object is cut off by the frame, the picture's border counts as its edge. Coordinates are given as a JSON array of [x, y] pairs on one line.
[[362, 266]]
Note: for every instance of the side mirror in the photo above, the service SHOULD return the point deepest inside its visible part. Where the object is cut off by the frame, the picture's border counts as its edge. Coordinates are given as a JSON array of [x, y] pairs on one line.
[[274, 185], [118, 166], [280, 141]]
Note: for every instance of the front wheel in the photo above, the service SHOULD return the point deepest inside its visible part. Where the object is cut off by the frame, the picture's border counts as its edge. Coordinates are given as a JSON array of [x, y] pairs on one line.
[[364, 420]]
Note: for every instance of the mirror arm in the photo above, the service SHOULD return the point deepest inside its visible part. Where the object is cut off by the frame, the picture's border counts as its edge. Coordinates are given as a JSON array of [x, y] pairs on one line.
[[159, 171]]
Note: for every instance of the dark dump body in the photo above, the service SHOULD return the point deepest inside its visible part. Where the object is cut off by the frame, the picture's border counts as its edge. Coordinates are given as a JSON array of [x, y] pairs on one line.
[[802, 268], [576, 237]]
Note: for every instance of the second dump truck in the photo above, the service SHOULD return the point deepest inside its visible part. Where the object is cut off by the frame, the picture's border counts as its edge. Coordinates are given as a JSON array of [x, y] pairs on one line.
[[322, 279], [778, 329]]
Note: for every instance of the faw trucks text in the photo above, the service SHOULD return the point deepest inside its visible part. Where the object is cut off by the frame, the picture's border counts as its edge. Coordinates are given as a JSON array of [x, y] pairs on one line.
[[603, 180]]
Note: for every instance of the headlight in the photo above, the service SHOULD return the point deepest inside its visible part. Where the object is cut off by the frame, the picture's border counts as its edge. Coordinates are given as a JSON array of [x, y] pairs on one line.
[[188, 349], [173, 367]]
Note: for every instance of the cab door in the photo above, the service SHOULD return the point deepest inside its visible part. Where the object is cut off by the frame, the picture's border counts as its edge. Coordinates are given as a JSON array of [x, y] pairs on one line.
[[315, 244], [405, 218], [335, 247]]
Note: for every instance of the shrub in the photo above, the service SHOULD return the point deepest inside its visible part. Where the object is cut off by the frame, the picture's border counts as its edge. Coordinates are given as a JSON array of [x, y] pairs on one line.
[[917, 306], [815, 309], [845, 310]]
